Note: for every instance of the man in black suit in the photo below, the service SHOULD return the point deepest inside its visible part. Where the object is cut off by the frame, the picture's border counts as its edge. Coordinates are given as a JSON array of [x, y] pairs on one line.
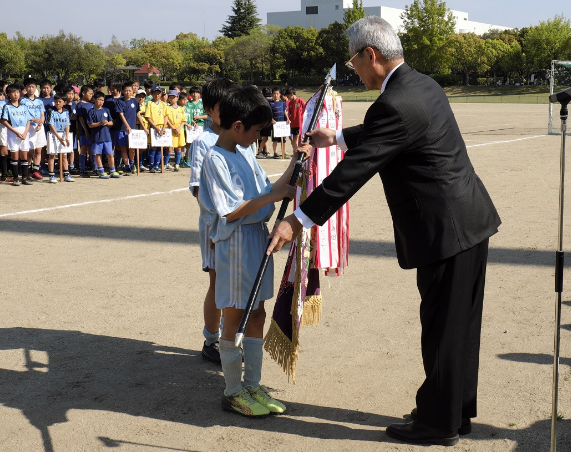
[[442, 218]]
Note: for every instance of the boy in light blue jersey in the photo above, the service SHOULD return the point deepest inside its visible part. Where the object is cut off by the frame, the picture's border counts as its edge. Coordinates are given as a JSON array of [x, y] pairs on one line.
[[37, 134], [236, 200], [16, 118], [214, 90], [3, 142], [59, 140]]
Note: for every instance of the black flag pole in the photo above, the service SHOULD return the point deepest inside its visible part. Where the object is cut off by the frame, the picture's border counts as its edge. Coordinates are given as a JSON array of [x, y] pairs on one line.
[[563, 97], [281, 214]]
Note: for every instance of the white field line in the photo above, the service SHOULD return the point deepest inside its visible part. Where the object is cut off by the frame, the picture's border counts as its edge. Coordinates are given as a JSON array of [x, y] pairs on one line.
[[87, 203], [504, 141]]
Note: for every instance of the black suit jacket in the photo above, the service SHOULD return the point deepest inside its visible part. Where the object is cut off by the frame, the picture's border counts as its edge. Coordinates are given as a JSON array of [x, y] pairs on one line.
[[410, 137]]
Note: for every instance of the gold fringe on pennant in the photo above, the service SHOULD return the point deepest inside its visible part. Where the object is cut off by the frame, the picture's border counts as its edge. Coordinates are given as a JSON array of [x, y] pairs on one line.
[[281, 349], [311, 311]]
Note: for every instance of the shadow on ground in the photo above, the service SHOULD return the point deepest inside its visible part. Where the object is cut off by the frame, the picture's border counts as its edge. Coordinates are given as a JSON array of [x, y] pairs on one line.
[[139, 378], [510, 256]]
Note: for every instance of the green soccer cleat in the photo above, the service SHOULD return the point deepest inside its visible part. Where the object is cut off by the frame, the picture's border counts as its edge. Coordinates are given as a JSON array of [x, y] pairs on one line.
[[242, 402], [261, 394]]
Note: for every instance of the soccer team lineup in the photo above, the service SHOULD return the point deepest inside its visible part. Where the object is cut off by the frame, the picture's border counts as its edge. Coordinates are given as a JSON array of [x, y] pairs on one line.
[[396, 301]]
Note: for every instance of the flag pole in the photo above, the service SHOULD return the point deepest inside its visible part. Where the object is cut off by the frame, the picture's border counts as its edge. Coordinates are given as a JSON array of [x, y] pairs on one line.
[[281, 214]]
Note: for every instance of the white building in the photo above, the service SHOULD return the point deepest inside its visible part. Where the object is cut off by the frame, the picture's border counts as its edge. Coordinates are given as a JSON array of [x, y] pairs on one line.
[[320, 13]]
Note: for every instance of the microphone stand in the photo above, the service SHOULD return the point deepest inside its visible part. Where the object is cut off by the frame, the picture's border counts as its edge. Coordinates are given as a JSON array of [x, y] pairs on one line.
[[559, 264]]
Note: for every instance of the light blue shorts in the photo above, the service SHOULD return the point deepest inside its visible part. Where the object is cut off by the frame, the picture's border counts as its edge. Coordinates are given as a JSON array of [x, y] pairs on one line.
[[238, 260]]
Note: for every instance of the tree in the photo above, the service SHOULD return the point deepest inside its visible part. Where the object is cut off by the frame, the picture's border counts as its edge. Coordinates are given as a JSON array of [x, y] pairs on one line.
[[468, 54], [294, 51], [243, 20], [92, 61], [545, 42], [334, 42], [426, 29], [353, 14], [11, 57], [165, 56]]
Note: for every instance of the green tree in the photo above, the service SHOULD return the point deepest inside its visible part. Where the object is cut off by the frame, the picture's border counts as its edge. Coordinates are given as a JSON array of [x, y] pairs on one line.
[[165, 56], [243, 20], [92, 61], [294, 51], [353, 14], [427, 26], [468, 54], [11, 57], [250, 55], [495, 50], [335, 45], [61, 55], [545, 42]]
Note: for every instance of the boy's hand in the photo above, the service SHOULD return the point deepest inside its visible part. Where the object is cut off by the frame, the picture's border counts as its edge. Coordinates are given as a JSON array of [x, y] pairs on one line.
[[87, 136], [67, 142], [305, 149], [62, 141], [175, 132], [286, 191], [20, 136], [128, 129], [146, 130]]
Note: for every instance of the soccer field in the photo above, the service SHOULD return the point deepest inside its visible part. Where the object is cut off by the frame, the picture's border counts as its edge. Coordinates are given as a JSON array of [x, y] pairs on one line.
[[101, 325]]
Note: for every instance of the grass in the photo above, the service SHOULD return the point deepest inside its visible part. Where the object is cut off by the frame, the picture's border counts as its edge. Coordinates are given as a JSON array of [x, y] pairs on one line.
[[464, 94]]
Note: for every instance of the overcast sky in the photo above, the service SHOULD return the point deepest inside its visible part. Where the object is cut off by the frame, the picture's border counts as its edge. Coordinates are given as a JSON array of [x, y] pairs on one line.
[[163, 21]]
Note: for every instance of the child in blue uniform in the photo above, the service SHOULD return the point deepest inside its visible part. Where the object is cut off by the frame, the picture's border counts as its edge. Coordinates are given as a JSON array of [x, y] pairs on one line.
[[236, 200], [213, 91], [37, 134], [100, 121], [16, 118]]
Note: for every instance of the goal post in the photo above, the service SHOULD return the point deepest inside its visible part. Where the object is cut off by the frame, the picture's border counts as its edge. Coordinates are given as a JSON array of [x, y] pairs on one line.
[[559, 79]]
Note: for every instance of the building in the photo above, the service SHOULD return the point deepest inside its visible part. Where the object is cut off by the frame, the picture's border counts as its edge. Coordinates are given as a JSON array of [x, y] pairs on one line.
[[145, 72], [320, 13]]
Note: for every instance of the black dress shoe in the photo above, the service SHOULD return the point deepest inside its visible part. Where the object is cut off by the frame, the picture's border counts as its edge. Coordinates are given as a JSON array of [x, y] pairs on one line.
[[417, 433], [464, 429]]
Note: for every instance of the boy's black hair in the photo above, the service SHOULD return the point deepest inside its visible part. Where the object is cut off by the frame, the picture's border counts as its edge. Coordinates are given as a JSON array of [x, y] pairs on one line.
[[148, 84], [98, 83], [98, 94], [182, 95], [58, 97], [290, 90], [129, 82], [126, 84], [282, 92], [19, 85], [245, 104], [67, 89], [214, 90], [267, 92], [11, 88], [3, 83], [44, 82], [116, 85], [84, 89], [59, 88], [30, 81], [174, 85], [195, 89], [274, 89]]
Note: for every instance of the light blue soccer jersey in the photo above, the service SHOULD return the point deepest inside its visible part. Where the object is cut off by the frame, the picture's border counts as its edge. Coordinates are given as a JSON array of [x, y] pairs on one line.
[[200, 146], [227, 180], [59, 120], [35, 106], [16, 116]]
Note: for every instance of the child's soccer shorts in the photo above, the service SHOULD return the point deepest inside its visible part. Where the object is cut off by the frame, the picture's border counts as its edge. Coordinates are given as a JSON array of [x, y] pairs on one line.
[[15, 144], [37, 140], [3, 135], [105, 148], [55, 146]]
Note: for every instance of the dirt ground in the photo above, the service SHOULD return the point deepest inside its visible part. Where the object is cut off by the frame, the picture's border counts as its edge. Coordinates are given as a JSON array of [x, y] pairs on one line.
[[101, 316]]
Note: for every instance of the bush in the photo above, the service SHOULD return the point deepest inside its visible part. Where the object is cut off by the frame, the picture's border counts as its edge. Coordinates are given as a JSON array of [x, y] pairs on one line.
[[447, 79]]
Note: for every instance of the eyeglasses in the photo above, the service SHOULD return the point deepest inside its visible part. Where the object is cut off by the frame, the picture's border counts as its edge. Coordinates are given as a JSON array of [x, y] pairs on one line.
[[349, 64]]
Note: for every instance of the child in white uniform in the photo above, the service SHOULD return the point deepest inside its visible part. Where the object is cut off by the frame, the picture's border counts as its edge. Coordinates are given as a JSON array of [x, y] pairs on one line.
[[236, 199]]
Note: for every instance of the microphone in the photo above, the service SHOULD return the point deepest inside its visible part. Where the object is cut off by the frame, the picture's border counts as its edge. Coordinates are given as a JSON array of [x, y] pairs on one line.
[[562, 96]]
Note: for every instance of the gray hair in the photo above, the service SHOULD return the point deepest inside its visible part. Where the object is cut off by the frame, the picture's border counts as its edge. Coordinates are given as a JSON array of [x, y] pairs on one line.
[[372, 31]]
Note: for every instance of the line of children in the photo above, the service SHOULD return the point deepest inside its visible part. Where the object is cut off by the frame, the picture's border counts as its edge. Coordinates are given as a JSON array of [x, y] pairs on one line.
[[236, 200]]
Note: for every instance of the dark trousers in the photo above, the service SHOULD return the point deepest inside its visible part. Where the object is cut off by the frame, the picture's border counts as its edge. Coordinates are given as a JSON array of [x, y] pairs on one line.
[[452, 293]]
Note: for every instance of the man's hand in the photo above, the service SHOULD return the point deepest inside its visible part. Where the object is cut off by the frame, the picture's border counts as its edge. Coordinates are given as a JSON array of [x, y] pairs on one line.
[[284, 233], [322, 138]]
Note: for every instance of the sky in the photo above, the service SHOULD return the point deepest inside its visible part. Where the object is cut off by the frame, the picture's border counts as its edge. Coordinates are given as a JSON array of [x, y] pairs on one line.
[[206, 17]]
